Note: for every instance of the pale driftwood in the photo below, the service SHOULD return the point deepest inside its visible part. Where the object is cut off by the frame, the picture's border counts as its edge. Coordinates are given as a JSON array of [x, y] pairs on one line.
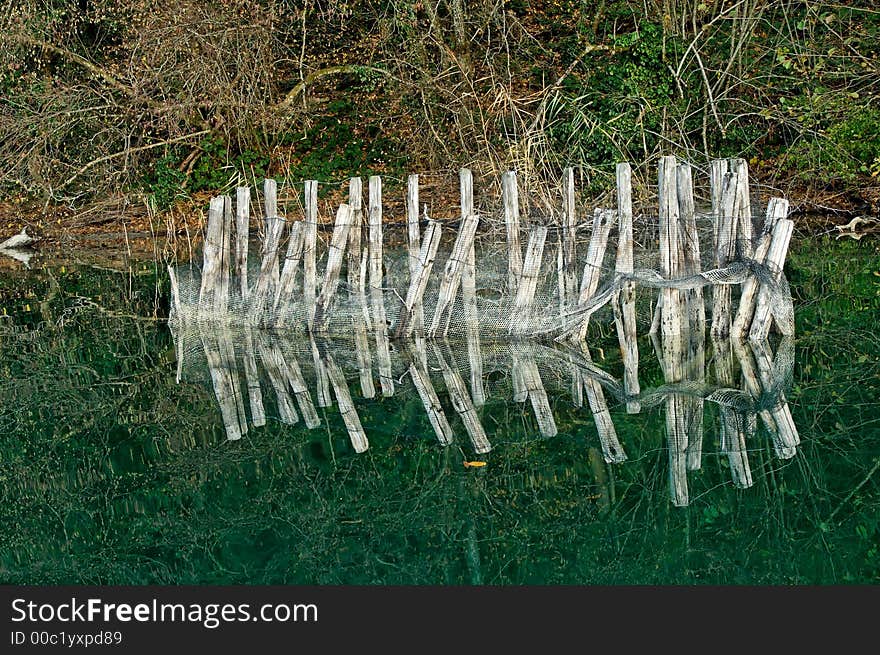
[[510, 197], [419, 276], [625, 304], [224, 376], [525, 291], [569, 286], [346, 405], [310, 249], [777, 208], [322, 382], [775, 261], [252, 378], [268, 279], [377, 296], [531, 380], [422, 382], [602, 223], [413, 240], [242, 233], [452, 275], [287, 283], [212, 257], [334, 264], [300, 390], [276, 368], [463, 405]]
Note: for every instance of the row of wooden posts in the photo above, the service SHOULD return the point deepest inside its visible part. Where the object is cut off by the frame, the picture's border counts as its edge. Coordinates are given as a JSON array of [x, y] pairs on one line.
[[225, 268]]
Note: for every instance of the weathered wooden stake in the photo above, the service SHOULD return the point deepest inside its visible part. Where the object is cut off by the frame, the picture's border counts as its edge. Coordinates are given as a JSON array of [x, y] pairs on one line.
[[310, 248], [531, 380], [209, 292], [419, 276], [273, 362], [452, 275], [224, 376], [334, 265], [287, 283], [297, 383], [602, 222], [525, 291], [346, 406], [377, 296], [414, 246], [510, 196], [775, 261], [322, 381], [569, 287], [463, 405], [422, 382], [242, 234], [252, 378], [625, 305], [612, 450], [269, 276]]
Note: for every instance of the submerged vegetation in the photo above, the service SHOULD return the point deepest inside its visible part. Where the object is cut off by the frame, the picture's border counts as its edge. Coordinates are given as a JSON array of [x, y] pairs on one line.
[[164, 99]]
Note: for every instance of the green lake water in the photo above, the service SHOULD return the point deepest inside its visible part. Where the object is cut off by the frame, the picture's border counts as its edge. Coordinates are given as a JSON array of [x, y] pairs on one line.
[[114, 472]]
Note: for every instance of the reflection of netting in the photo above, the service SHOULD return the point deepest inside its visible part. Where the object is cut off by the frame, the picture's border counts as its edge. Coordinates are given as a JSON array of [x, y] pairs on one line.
[[490, 313]]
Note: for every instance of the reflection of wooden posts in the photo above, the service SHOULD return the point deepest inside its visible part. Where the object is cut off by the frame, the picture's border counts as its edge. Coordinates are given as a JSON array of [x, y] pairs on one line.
[[220, 355], [510, 196], [463, 405], [781, 413], [452, 275], [321, 380], [593, 267], [357, 256], [297, 383], [242, 232], [612, 450], [334, 264], [625, 304], [732, 426], [273, 362], [469, 294], [531, 380], [364, 359], [777, 209], [377, 296], [754, 388], [310, 249], [422, 382], [252, 377], [346, 405], [475, 360], [525, 292]]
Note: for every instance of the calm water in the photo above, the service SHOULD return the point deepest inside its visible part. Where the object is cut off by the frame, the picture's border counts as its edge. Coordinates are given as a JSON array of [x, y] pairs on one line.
[[116, 466]]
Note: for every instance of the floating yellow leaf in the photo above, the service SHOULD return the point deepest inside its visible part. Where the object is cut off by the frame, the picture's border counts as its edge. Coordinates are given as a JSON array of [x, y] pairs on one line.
[[474, 464]]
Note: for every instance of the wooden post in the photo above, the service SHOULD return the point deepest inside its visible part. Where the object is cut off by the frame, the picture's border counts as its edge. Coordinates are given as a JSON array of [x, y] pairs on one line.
[[287, 283], [525, 292], [310, 248], [743, 247], [510, 195], [269, 276], [322, 381], [452, 275], [625, 304], [334, 264], [419, 276], [569, 286], [781, 413], [463, 405], [725, 247], [356, 256], [775, 261], [346, 406], [212, 257], [422, 382], [469, 272], [602, 223], [777, 208], [377, 295], [242, 233], [414, 246]]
